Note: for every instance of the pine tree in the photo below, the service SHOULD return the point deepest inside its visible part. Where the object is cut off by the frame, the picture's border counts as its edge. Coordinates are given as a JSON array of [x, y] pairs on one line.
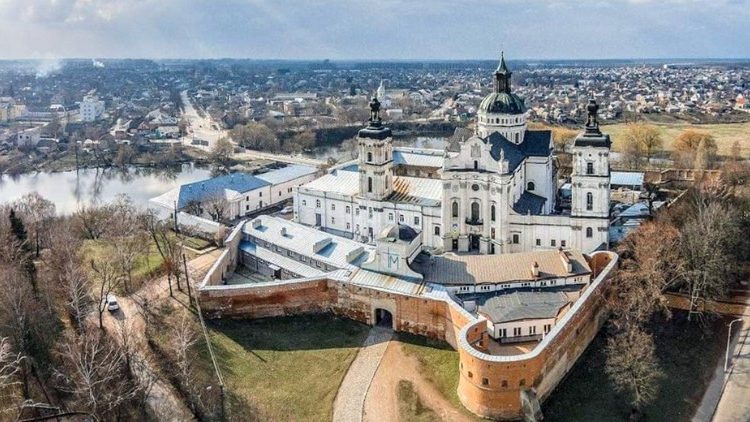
[[19, 231]]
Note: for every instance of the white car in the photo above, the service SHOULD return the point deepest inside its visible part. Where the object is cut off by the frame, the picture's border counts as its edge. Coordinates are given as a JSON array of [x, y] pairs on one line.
[[287, 210], [112, 304]]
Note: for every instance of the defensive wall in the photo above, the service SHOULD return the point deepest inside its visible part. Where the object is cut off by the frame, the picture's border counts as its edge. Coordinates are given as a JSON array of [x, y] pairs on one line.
[[502, 387]]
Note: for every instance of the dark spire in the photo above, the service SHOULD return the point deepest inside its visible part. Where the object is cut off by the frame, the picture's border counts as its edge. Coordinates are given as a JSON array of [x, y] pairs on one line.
[[502, 76], [375, 128], [592, 123]]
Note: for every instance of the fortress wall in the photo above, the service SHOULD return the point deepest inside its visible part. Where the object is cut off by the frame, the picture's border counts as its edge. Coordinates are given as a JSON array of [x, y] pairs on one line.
[[489, 386]]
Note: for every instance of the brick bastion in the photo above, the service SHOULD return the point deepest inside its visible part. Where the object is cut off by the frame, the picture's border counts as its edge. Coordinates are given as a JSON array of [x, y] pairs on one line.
[[501, 387]]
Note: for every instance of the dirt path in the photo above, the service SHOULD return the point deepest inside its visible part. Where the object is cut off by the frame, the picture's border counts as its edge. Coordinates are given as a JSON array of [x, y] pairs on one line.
[[350, 399], [163, 400], [381, 403]]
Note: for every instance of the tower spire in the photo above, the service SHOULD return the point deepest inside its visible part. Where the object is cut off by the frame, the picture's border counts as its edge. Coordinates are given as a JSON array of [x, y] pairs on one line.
[[502, 76]]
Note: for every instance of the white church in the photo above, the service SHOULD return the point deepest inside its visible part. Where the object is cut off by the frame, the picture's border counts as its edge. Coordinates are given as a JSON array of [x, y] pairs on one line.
[[492, 193]]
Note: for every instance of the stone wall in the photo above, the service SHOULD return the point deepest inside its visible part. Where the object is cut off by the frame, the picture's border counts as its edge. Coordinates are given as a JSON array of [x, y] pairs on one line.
[[489, 385]]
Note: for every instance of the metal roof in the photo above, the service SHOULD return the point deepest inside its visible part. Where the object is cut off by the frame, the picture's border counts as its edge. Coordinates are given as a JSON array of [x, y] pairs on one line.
[[523, 305], [529, 203], [450, 268], [340, 182], [309, 242], [222, 186], [417, 158], [287, 173], [279, 260], [626, 178], [418, 191], [367, 278]]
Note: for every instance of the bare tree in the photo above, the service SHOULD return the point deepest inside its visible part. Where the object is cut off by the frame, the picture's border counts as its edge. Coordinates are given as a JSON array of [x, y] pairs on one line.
[[94, 373], [633, 367], [184, 337], [92, 221], [38, 213], [10, 368], [217, 206], [221, 153], [77, 289], [108, 277], [168, 245], [707, 243]]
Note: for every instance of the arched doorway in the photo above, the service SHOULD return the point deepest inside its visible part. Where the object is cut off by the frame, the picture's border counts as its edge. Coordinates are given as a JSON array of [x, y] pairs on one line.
[[383, 318]]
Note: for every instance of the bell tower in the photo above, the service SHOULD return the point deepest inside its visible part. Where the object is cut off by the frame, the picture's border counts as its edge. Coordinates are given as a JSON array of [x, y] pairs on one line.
[[375, 157], [590, 185]]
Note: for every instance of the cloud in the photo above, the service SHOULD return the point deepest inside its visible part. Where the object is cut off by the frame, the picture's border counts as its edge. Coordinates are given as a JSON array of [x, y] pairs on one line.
[[341, 29]]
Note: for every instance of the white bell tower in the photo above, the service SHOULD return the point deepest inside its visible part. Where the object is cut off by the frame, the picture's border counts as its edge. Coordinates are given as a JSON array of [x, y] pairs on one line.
[[375, 157], [590, 186]]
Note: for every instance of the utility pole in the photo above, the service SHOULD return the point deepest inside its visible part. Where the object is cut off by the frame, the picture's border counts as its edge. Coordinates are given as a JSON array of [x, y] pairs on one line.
[[187, 280]]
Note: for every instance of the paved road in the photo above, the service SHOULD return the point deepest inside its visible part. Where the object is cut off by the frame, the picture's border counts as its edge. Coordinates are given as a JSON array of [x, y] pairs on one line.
[[350, 399], [284, 158], [199, 127], [734, 405]]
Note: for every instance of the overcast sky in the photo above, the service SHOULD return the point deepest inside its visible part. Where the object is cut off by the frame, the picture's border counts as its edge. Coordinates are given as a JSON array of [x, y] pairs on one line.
[[384, 29]]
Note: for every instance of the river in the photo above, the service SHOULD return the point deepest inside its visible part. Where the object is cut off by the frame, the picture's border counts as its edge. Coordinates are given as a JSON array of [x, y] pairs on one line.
[[70, 189], [341, 154]]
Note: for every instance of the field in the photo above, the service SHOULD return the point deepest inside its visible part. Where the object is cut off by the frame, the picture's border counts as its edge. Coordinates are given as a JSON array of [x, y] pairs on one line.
[[687, 353], [284, 368], [725, 134]]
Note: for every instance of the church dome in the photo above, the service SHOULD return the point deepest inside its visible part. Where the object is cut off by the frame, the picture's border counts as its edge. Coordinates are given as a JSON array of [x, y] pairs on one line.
[[402, 232], [502, 102]]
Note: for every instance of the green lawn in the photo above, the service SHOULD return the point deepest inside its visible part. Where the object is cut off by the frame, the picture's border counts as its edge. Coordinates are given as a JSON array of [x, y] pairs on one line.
[[687, 353], [438, 363], [284, 368], [724, 133], [410, 406], [146, 265]]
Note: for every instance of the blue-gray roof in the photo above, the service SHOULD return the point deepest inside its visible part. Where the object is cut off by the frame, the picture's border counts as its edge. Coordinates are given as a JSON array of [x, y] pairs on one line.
[[287, 173], [626, 178], [535, 143], [529, 203], [205, 189]]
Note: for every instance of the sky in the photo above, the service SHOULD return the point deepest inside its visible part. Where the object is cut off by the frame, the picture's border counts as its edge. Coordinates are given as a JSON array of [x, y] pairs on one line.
[[374, 29]]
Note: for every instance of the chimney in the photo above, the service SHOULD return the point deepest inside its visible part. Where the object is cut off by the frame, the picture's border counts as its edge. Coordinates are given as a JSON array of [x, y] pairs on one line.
[[565, 258], [257, 223], [283, 231], [535, 270]]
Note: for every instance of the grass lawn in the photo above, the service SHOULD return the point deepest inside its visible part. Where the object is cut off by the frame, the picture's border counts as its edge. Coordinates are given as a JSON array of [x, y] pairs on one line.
[[410, 406], [688, 355], [724, 133], [438, 363], [146, 264], [284, 368]]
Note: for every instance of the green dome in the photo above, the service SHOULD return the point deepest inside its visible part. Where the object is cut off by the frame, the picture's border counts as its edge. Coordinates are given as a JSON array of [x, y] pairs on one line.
[[502, 102]]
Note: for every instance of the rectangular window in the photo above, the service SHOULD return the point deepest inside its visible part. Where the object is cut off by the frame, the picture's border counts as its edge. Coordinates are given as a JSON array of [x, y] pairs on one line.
[[547, 327], [492, 233], [553, 242], [333, 207], [348, 209], [304, 203], [260, 194], [532, 330], [333, 220], [562, 243], [515, 239], [416, 221], [539, 242], [348, 226], [437, 230], [401, 218], [390, 216], [516, 331]]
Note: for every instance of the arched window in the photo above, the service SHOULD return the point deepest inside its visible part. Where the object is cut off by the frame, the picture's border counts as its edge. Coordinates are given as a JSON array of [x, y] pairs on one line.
[[386, 156], [530, 186], [589, 168], [476, 165], [589, 201], [517, 137], [386, 182], [492, 212], [589, 232], [369, 157], [454, 209], [475, 211], [369, 184]]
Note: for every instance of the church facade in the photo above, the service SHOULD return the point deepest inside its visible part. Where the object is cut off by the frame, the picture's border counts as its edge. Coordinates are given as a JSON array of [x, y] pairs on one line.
[[494, 192]]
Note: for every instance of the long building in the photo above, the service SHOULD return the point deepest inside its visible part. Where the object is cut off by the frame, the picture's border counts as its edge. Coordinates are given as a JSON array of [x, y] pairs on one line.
[[493, 192]]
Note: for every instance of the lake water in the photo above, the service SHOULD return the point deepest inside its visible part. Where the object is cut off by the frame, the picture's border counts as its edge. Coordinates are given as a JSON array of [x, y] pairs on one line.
[[70, 189]]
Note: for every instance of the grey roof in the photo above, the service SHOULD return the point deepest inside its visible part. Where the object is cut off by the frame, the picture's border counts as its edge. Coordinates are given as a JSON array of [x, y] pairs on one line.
[[502, 102], [523, 305], [418, 159], [400, 231], [626, 178], [286, 174], [452, 269], [536, 143], [529, 203], [205, 189]]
